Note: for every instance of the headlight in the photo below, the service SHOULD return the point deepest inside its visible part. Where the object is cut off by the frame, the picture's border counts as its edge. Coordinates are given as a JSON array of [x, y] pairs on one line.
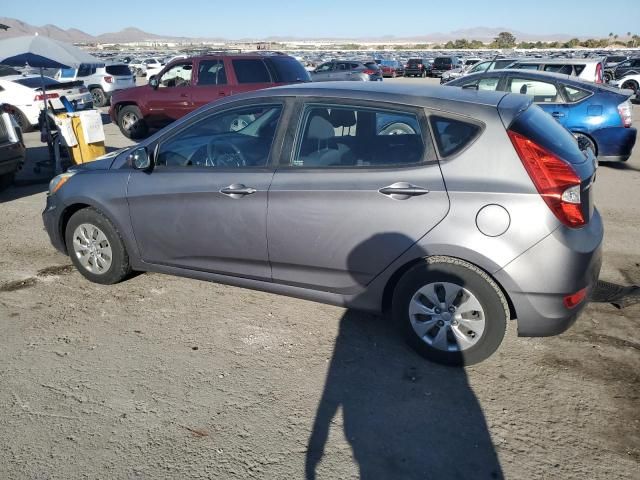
[[57, 182]]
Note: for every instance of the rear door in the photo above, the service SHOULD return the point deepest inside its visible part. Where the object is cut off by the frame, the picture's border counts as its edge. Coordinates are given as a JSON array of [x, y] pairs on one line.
[[210, 82], [358, 187], [250, 74]]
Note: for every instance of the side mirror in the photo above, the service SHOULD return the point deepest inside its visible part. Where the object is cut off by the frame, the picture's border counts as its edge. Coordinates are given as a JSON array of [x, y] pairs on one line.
[[139, 159], [153, 81]]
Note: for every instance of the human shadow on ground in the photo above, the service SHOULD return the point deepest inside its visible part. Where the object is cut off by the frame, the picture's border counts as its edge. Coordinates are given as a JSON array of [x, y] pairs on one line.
[[404, 417]]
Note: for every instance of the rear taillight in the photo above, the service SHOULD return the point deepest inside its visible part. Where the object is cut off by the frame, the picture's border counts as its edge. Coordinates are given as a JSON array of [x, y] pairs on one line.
[[572, 301], [369, 72], [419, 65], [48, 96], [555, 180], [599, 73], [624, 109], [108, 79]]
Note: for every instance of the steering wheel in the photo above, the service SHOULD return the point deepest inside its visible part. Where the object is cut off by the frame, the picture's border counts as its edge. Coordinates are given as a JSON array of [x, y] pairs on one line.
[[224, 154]]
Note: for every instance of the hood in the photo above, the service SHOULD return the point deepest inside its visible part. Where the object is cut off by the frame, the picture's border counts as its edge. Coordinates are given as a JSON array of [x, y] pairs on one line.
[[133, 93], [101, 163]]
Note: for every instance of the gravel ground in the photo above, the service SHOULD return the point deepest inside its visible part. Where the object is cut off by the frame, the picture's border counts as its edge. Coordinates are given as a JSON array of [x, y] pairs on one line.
[[164, 377]]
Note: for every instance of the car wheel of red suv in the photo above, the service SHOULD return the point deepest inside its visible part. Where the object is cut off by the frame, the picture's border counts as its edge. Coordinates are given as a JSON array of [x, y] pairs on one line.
[[131, 122]]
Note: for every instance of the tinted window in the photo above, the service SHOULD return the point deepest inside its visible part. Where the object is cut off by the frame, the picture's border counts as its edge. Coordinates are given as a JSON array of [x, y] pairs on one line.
[[336, 137], [541, 128], [542, 92], [212, 72], [452, 135], [564, 69], [86, 70], [251, 71], [575, 94], [287, 70], [499, 64], [415, 61], [36, 82], [118, 70], [443, 61], [527, 66], [239, 138]]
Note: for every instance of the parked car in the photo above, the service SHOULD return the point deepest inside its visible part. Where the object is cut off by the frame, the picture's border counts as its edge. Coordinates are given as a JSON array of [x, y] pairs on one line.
[[483, 208], [628, 82], [12, 150], [187, 84], [628, 67], [598, 115], [610, 63], [139, 67], [590, 69], [444, 64], [349, 70], [417, 67], [391, 68], [24, 94], [487, 65], [154, 70], [101, 81]]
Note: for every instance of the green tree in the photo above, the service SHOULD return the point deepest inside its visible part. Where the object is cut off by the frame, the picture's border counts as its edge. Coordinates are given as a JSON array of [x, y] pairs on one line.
[[504, 40]]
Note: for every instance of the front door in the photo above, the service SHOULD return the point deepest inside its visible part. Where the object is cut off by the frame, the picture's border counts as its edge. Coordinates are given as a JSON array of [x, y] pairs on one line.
[[361, 187], [204, 205], [323, 73], [172, 98]]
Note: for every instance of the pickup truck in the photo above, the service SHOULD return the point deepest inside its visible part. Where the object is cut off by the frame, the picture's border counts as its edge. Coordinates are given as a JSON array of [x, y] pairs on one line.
[[186, 84]]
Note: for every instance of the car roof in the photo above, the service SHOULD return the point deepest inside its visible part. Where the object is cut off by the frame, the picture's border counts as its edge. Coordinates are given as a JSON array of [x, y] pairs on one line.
[[560, 61]]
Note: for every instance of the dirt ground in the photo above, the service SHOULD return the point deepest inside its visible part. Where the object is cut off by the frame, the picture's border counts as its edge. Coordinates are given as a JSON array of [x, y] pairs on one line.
[[164, 377]]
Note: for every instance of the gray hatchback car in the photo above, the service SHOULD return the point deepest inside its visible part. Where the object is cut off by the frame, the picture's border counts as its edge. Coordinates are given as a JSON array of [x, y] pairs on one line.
[[455, 210]]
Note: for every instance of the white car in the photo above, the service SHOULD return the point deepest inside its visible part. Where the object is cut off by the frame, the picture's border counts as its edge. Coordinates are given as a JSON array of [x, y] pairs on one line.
[[140, 68], [101, 81], [590, 69], [24, 94], [628, 82], [156, 69]]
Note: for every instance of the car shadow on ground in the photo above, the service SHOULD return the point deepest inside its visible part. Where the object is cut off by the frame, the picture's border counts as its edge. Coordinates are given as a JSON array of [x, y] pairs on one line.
[[16, 192], [618, 166], [404, 417]]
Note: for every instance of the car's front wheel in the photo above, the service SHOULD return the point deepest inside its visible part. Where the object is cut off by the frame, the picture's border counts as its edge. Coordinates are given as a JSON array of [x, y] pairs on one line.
[[96, 248], [131, 122], [451, 312]]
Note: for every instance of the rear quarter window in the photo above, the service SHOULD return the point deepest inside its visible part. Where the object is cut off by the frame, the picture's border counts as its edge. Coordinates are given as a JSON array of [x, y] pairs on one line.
[[250, 70], [287, 70], [453, 135], [118, 70]]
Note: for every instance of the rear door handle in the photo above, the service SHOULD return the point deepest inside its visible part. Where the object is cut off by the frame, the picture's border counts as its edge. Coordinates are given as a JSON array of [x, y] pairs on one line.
[[403, 191], [557, 114], [238, 190]]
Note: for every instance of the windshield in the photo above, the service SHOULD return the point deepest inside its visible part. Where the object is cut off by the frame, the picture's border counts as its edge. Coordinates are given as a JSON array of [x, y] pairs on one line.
[[118, 70]]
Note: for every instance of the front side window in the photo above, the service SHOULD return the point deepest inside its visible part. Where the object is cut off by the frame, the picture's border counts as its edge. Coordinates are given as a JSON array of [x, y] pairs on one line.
[[334, 137], [249, 70], [325, 67], [480, 67], [212, 72], [237, 138], [542, 92], [177, 76]]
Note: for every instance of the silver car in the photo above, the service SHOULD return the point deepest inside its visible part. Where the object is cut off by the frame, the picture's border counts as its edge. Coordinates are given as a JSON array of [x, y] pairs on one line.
[[455, 210], [347, 70]]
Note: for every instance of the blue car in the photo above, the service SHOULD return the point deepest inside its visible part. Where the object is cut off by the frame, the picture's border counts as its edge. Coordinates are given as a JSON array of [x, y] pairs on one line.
[[599, 116]]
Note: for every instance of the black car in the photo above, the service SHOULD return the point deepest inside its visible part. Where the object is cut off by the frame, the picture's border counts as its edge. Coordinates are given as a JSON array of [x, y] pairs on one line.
[[417, 67], [444, 64], [628, 67]]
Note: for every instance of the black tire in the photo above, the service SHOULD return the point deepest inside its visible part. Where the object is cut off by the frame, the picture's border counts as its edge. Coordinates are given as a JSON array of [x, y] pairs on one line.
[[630, 85], [6, 180], [131, 122], [100, 99], [473, 279], [120, 267], [607, 77], [22, 121], [585, 142]]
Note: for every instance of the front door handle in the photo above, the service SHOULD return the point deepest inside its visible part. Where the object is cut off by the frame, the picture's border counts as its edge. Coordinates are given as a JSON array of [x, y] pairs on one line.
[[557, 114], [403, 191], [238, 190], [184, 95]]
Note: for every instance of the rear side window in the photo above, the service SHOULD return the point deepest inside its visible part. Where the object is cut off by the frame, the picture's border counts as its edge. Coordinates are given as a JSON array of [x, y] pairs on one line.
[[118, 70], [250, 70], [352, 137], [564, 69], [211, 72], [527, 66], [453, 135], [540, 127], [575, 94], [287, 70]]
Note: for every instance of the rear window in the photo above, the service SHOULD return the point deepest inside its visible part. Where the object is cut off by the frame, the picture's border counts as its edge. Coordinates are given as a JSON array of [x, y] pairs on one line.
[[36, 82], [540, 127], [414, 61], [443, 61], [250, 70], [453, 135], [287, 70], [118, 70]]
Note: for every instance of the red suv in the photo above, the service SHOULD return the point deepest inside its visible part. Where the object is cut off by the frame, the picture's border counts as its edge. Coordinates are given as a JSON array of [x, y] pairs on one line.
[[189, 83]]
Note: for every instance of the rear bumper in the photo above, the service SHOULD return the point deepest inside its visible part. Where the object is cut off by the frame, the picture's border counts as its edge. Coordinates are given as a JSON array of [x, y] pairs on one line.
[[537, 281], [615, 142]]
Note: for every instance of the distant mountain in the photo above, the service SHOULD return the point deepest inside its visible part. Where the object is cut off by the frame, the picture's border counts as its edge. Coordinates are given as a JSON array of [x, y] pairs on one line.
[[131, 34]]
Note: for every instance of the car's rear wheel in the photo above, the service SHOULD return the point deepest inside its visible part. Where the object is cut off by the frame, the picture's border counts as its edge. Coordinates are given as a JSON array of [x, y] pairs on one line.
[[630, 85], [131, 122], [96, 248], [99, 97], [451, 312], [585, 143]]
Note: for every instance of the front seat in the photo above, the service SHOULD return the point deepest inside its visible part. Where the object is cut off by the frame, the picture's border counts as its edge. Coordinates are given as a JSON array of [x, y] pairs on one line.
[[317, 143]]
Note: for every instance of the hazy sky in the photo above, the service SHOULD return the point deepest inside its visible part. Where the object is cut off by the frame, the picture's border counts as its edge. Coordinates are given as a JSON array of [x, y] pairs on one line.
[[332, 18]]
